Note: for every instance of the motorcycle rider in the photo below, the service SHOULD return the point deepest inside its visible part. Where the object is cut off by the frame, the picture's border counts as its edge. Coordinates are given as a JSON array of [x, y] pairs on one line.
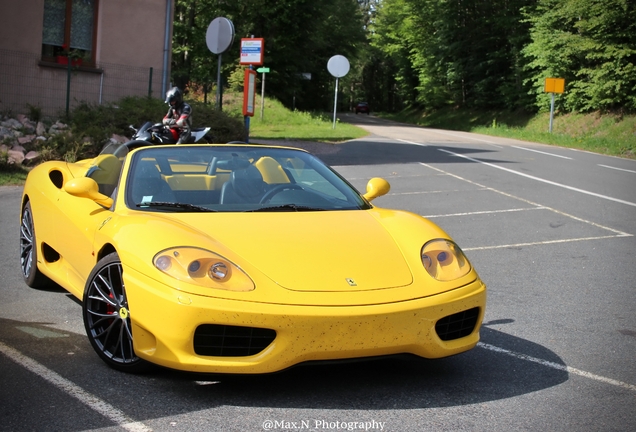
[[179, 116]]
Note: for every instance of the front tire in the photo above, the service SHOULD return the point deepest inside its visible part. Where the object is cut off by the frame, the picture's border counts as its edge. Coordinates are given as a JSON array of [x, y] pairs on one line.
[[29, 251], [107, 317]]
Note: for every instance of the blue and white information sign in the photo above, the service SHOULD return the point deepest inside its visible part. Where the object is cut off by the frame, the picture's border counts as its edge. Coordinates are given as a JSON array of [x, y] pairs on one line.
[[252, 51]]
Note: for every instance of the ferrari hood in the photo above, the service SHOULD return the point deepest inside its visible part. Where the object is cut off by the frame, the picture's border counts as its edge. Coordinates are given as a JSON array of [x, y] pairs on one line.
[[310, 251]]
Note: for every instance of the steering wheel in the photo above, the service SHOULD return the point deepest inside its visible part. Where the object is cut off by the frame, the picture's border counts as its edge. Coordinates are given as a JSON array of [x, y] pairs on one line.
[[278, 189]]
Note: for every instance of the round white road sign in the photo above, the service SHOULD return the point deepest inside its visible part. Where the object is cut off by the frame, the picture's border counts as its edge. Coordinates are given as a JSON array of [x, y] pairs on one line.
[[338, 66], [220, 35]]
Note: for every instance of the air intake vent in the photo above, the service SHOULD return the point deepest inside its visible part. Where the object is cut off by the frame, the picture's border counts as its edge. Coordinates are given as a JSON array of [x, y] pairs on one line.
[[57, 178], [457, 325], [231, 341]]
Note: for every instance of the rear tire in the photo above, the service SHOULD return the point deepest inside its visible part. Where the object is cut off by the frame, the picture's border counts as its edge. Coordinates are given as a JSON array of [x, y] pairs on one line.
[[29, 251], [107, 317]]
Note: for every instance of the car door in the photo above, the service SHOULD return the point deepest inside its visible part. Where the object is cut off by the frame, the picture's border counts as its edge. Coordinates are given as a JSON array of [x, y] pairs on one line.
[[77, 220]]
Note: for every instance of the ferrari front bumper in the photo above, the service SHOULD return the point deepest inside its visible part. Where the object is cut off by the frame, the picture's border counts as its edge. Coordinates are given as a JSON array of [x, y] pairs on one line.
[[165, 321]]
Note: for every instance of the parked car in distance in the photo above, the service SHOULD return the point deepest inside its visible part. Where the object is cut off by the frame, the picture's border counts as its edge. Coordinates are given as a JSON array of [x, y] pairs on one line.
[[362, 107]]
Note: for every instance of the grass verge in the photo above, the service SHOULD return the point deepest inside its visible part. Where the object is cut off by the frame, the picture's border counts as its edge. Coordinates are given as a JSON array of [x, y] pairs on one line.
[[610, 134], [12, 176], [279, 122]]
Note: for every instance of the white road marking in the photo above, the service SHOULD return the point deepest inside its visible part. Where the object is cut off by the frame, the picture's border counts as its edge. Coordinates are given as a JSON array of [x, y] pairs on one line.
[[411, 142], [541, 179], [70, 388], [206, 383], [557, 366], [461, 136], [615, 168], [545, 242], [545, 153], [394, 175], [484, 212], [427, 192], [617, 232], [41, 333], [372, 139], [126, 423]]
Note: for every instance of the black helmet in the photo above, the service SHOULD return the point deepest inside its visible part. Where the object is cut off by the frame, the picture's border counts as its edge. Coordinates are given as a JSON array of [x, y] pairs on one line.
[[174, 95]]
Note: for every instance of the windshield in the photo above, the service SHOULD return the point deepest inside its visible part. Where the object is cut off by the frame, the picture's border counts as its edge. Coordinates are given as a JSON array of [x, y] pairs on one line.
[[235, 179]]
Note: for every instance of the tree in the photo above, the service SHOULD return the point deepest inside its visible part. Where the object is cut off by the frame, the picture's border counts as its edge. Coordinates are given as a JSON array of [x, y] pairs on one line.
[[300, 37], [460, 52], [590, 43]]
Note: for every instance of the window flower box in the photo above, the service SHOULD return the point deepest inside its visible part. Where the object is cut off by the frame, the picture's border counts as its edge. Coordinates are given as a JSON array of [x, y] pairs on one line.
[[64, 61]]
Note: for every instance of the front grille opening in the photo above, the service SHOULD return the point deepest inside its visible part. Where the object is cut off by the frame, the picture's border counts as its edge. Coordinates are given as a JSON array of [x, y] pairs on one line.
[[231, 341], [457, 325]]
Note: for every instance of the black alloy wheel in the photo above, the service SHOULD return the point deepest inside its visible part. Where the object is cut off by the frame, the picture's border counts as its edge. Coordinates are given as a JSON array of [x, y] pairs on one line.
[[28, 251], [107, 316]]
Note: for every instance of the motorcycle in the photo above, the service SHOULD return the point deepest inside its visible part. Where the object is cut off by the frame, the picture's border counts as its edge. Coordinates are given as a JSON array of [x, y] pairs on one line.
[[159, 134]]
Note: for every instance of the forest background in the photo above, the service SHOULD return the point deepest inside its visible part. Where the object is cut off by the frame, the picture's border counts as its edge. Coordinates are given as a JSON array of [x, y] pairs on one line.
[[427, 55], [473, 65]]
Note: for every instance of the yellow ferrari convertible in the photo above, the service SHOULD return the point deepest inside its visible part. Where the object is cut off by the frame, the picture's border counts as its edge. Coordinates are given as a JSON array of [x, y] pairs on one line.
[[242, 259]]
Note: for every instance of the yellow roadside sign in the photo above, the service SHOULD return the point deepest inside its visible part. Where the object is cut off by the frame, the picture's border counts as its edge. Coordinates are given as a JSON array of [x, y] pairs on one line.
[[554, 85]]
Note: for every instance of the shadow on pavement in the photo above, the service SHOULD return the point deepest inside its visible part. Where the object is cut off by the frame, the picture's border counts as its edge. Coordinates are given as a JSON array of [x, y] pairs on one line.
[[363, 152], [398, 382]]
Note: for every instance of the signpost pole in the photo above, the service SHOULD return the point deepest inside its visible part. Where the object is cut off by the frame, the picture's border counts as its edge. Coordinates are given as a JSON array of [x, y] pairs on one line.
[[68, 85], [252, 53], [246, 116], [335, 104], [218, 85], [551, 112], [262, 95], [262, 70], [247, 129], [219, 37], [249, 91]]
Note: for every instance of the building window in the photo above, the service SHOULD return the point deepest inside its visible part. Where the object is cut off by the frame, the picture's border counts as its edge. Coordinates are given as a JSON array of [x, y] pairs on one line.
[[69, 31]]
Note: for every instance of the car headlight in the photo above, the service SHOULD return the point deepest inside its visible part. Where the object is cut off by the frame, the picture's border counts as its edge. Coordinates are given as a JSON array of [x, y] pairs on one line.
[[444, 260], [202, 267]]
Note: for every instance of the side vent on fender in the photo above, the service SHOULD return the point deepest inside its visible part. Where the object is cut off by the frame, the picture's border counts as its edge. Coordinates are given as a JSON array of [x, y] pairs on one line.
[[57, 178], [50, 255]]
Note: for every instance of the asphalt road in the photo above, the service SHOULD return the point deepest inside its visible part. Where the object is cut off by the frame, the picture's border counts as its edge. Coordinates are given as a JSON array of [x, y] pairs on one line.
[[551, 232]]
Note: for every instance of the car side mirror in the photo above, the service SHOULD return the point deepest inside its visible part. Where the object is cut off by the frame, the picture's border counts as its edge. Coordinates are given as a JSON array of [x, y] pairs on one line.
[[376, 188], [86, 187]]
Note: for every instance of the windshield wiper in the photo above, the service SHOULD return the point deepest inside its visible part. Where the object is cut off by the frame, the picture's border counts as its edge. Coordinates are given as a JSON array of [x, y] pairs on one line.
[[174, 205], [286, 207]]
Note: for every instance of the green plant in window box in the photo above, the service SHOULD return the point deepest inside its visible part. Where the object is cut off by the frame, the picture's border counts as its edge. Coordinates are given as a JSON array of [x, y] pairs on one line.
[[75, 56]]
